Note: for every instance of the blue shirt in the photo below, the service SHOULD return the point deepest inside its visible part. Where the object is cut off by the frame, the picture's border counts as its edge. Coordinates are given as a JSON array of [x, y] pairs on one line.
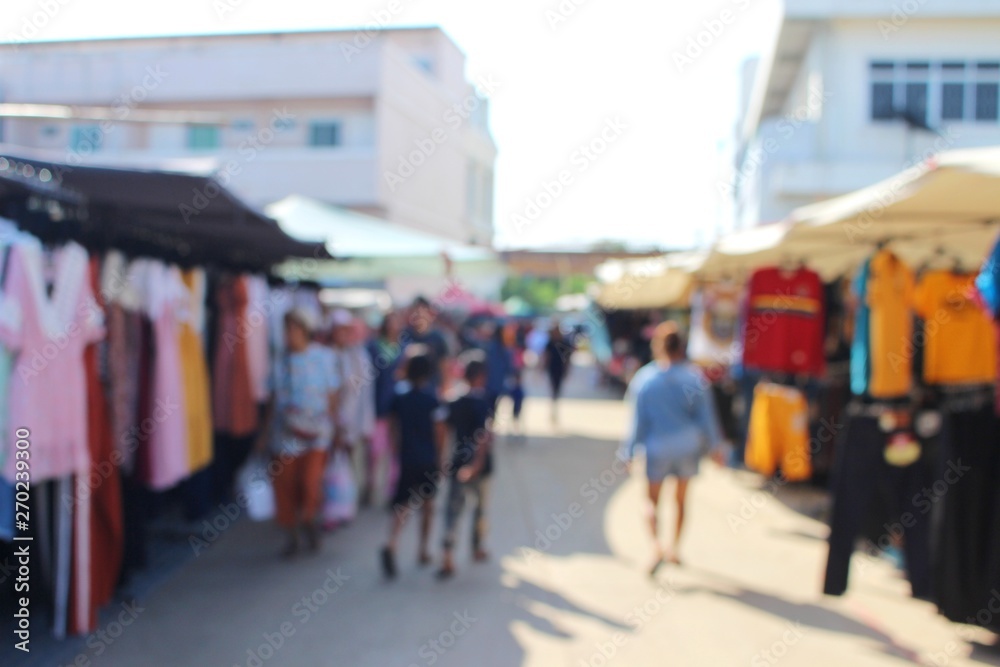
[[639, 380], [386, 357], [674, 415], [860, 351], [499, 366], [988, 281], [416, 411], [302, 383]]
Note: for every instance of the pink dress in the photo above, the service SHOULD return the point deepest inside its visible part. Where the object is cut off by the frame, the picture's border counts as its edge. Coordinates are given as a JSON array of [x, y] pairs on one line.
[[48, 385], [166, 296]]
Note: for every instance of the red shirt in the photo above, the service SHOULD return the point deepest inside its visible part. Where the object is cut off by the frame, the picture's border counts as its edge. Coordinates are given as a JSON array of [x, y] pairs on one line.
[[784, 322]]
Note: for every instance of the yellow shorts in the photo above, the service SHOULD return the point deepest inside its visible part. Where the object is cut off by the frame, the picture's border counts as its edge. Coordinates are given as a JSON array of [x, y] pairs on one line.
[[779, 432]]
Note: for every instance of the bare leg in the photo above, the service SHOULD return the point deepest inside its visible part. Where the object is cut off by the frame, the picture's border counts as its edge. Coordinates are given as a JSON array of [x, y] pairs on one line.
[[654, 502], [399, 517], [426, 517], [681, 491]]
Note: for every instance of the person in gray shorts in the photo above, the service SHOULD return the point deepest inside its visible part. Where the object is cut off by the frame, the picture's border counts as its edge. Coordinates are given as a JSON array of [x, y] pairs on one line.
[[675, 422]]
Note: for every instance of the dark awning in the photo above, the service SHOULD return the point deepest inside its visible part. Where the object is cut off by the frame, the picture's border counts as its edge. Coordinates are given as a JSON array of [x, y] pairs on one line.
[[176, 217]]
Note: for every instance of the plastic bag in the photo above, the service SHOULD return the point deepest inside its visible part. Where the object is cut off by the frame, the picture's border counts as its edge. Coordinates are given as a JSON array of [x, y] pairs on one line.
[[340, 490], [254, 484]]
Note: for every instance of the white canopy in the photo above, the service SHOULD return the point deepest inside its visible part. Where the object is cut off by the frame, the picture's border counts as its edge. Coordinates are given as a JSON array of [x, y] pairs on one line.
[[372, 249], [947, 207], [655, 282]]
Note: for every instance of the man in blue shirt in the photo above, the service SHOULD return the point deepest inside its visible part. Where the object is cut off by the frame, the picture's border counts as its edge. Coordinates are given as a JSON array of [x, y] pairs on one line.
[[675, 422]]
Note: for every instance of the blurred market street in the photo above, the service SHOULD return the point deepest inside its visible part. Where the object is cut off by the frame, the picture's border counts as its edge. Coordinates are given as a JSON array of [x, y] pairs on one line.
[[559, 590]]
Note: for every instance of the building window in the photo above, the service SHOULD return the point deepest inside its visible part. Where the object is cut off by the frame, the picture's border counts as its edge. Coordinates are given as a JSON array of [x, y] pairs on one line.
[[203, 137], [929, 93], [325, 134], [953, 101], [243, 126], [86, 138], [425, 63]]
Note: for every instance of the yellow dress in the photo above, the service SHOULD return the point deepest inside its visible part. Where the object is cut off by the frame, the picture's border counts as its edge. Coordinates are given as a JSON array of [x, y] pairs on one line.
[[197, 396]]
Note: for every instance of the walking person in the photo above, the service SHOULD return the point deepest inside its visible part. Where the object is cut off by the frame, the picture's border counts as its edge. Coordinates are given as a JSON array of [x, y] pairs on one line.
[[556, 362], [419, 438], [470, 418], [423, 328], [675, 421], [355, 419], [301, 424], [499, 366], [385, 352]]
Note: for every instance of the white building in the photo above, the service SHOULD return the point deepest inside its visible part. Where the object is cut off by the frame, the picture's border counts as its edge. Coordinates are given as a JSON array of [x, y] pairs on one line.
[[382, 122], [853, 91]]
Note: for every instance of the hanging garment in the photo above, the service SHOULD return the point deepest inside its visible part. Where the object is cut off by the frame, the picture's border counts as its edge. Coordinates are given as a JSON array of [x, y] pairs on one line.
[[784, 322], [959, 342], [124, 324], [860, 350], [889, 294], [166, 297], [98, 525], [255, 328], [860, 470], [988, 281], [779, 433], [197, 392], [7, 437], [49, 340], [966, 562], [234, 406], [715, 314]]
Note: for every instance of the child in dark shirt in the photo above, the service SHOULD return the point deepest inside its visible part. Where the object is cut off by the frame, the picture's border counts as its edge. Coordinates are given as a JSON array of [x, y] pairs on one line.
[[470, 417], [418, 436]]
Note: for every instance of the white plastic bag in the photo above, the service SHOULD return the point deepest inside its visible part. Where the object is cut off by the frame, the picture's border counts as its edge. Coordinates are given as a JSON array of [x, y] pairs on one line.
[[340, 490], [254, 484]]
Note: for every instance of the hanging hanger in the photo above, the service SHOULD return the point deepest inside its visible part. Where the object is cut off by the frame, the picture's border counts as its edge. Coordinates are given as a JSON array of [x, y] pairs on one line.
[[787, 264]]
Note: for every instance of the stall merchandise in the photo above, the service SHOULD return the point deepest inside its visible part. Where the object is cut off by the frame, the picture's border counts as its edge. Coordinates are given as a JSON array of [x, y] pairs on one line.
[[715, 317], [103, 359], [779, 433], [784, 323]]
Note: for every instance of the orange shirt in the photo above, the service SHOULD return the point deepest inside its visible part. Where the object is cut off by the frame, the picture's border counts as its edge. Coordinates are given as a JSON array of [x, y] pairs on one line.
[[959, 345], [890, 298]]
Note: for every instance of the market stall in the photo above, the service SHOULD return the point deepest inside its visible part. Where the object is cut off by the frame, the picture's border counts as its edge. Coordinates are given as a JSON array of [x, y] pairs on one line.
[[870, 326], [134, 341]]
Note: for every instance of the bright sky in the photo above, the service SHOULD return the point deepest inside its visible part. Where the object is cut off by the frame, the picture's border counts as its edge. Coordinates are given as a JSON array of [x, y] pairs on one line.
[[561, 83]]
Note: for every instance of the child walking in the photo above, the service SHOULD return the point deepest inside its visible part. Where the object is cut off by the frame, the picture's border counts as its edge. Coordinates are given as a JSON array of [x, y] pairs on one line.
[[418, 435], [470, 417]]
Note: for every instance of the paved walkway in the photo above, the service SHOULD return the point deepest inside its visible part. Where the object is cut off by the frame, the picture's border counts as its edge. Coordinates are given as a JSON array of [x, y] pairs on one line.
[[566, 587]]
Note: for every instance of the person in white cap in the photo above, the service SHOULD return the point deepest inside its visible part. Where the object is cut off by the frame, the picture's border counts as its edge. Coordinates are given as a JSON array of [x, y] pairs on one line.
[[355, 420], [305, 388]]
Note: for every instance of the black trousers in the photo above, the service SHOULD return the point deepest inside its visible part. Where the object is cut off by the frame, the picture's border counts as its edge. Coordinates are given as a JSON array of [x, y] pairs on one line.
[[967, 519], [860, 474]]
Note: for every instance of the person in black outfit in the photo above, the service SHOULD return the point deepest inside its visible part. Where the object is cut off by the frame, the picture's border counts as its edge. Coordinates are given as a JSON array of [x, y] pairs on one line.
[[556, 361], [418, 437], [470, 416]]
